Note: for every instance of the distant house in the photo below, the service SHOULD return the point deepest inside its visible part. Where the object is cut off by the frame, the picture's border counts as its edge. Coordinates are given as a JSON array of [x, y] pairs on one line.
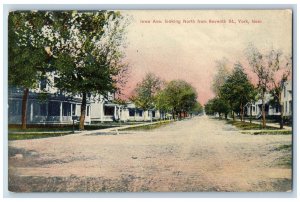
[[137, 114]]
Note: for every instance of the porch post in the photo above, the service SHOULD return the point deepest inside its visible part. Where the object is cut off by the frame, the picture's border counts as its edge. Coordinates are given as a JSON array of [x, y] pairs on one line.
[[31, 111], [60, 112], [115, 112], [101, 112]]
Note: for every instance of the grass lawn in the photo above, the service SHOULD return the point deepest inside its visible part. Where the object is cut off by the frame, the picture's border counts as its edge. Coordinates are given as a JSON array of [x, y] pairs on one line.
[[270, 132], [57, 128], [249, 126], [26, 136], [148, 127]]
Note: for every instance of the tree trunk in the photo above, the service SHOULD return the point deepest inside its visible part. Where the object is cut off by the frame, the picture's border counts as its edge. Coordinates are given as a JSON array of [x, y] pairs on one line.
[[173, 114], [242, 113], [281, 115], [83, 109], [251, 113], [226, 116], [241, 109], [263, 110], [24, 107]]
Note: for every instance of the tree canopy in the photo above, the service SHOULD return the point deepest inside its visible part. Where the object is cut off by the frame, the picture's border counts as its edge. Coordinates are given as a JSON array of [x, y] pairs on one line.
[[178, 97], [146, 90]]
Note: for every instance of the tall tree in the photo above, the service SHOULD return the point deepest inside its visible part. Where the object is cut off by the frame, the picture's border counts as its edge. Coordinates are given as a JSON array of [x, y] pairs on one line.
[[27, 58], [238, 90], [145, 92], [220, 77], [282, 68], [260, 65], [89, 53]]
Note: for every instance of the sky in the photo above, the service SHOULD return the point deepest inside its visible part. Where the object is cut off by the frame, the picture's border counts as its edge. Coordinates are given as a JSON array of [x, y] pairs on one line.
[[186, 44]]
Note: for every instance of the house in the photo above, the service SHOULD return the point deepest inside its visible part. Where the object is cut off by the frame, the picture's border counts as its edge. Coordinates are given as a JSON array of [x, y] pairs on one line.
[[286, 100], [48, 105], [53, 107]]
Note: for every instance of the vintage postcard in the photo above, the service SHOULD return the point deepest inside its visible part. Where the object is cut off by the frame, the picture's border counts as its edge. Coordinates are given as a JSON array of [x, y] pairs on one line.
[[150, 101]]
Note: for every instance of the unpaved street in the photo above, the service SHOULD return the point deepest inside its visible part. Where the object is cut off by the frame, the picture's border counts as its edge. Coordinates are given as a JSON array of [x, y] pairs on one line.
[[200, 154]]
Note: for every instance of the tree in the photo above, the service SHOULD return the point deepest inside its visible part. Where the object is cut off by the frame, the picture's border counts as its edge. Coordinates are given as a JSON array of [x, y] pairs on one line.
[[27, 58], [178, 96], [89, 53], [283, 70], [197, 109], [208, 107], [221, 76], [264, 71], [145, 92], [220, 106], [237, 90]]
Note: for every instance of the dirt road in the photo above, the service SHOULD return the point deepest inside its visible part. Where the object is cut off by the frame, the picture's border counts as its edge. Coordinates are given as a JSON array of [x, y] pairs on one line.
[[200, 154]]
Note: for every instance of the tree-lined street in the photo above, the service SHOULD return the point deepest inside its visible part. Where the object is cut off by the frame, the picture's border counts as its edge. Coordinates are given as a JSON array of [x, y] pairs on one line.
[[199, 154]]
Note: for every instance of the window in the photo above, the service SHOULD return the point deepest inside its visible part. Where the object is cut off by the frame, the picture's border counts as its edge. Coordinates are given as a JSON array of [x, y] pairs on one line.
[[88, 111], [131, 112], [43, 109], [43, 84], [140, 112], [54, 109], [153, 113], [15, 107], [109, 111], [73, 109], [277, 109], [66, 109]]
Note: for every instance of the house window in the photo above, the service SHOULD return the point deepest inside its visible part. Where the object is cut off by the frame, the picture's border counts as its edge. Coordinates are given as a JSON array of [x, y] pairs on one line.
[[140, 112], [88, 111], [54, 109], [43, 84], [66, 109], [131, 112], [15, 107], [109, 111], [277, 109], [290, 106], [73, 109], [43, 109], [153, 113]]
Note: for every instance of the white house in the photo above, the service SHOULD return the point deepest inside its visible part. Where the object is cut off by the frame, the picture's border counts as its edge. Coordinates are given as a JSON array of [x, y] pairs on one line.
[[286, 100], [53, 107], [56, 107]]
